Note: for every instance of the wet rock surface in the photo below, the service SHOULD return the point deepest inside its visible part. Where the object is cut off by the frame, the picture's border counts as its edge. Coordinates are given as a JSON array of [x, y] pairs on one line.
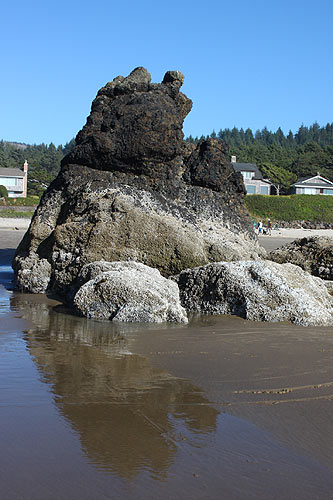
[[131, 189], [314, 254], [258, 291]]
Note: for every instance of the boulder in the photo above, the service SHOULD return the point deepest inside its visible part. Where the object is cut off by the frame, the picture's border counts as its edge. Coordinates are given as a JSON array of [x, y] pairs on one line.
[[313, 254], [127, 291], [132, 189], [34, 274], [258, 291]]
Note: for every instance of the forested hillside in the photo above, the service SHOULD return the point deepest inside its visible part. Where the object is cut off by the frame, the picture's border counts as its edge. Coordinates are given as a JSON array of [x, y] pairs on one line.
[[281, 158], [305, 153]]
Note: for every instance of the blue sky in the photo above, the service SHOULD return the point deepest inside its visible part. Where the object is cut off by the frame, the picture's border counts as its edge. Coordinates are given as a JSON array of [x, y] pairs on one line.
[[246, 63]]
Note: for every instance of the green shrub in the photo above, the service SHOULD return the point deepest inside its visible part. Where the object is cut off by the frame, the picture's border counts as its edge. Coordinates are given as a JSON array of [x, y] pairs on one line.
[[3, 192], [297, 207]]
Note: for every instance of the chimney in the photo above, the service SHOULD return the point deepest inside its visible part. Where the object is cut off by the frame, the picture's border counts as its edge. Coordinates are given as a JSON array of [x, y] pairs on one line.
[[233, 159], [25, 180]]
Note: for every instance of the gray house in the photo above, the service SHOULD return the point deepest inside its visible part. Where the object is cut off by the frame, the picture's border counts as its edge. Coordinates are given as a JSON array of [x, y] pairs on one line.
[[15, 180], [253, 180], [313, 185]]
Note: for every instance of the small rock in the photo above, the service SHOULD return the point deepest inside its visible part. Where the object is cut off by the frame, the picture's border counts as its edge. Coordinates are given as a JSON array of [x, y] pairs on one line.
[[128, 291]]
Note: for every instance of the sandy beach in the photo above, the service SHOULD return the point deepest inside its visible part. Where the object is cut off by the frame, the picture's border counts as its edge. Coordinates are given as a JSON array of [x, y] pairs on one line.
[[298, 233], [14, 223], [282, 237]]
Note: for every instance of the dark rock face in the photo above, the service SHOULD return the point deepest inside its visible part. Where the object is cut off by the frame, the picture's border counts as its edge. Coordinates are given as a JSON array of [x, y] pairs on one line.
[[131, 189], [134, 126], [208, 167]]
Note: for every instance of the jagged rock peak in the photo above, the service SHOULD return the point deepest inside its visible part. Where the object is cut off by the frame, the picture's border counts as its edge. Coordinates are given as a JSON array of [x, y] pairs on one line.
[[132, 122], [138, 80]]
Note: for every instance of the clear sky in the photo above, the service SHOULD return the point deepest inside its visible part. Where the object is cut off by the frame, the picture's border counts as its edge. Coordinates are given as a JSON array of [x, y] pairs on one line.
[[247, 63]]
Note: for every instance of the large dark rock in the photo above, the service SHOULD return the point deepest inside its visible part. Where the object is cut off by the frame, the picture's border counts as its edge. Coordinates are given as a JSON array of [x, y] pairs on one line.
[[132, 189]]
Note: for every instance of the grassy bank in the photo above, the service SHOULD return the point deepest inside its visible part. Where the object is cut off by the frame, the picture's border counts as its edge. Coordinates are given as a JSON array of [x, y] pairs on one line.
[[15, 214], [296, 207]]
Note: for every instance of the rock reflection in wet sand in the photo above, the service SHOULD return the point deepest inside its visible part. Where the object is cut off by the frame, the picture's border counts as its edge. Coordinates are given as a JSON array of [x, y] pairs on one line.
[[124, 410]]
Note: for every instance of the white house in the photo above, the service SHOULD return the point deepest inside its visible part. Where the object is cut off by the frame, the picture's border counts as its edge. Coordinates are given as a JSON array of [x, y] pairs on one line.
[[313, 185], [15, 180], [253, 180]]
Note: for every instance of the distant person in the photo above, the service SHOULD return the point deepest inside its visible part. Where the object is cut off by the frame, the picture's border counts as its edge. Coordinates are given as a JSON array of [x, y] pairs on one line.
[[269, 227], [260, 227]]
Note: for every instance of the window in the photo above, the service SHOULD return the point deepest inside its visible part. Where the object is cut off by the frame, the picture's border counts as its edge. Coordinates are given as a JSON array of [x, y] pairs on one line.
[[328, 191], [8, 181], [264, 189], [309, 191], [250, 189], [247, 175]]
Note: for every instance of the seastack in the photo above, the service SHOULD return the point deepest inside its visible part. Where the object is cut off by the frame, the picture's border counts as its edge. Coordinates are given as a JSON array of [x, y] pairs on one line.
[[132, 189]]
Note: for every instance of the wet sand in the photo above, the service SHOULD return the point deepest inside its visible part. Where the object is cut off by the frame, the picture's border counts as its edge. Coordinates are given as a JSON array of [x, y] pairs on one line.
[[14, 224], [220, 408], [282, 237], [273, 242]]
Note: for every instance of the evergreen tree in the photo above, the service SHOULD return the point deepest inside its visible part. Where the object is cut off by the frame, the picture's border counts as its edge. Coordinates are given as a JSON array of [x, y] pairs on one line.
[[302, 135], [279, 177]]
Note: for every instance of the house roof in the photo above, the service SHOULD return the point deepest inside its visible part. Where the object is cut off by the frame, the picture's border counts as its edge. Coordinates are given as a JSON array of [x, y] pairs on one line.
[[245, 167], [11, 172], [316, 181], [249, 167]]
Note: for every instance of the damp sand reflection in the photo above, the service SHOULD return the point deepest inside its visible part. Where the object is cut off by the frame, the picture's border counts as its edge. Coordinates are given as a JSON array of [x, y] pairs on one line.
[[124, 410]]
